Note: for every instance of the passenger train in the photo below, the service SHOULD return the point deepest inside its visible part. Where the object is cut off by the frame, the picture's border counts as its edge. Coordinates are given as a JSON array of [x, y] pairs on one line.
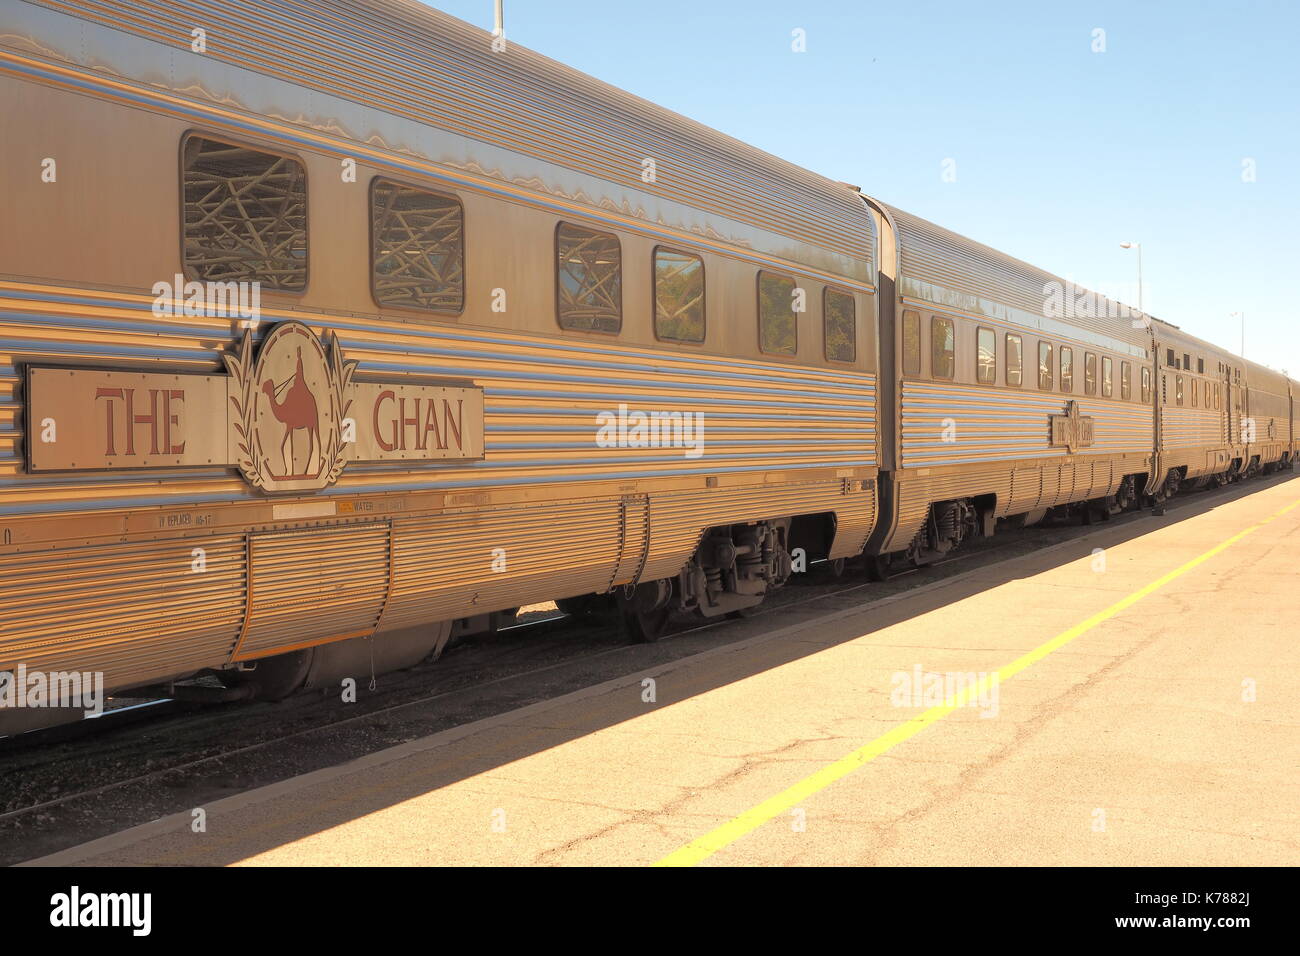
[[331, 329]]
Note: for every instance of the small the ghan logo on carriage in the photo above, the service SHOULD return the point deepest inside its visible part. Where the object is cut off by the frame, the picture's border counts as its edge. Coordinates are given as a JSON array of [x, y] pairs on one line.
[[290, 416], [1072, 431]]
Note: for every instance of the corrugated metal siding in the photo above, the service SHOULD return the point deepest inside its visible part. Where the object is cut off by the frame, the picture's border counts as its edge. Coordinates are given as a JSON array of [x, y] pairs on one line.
[[142, 612], [1268, 402], [136, 612], [502, 557], [1004, 425], [1170, 336], [542, 396], [1184, 427], [314, 584], [416, 62], [1018, 491], [931, 254], [677, 521]]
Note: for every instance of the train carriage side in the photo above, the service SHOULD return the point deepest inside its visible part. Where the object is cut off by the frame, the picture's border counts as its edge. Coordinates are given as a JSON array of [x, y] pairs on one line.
[[676, 372], [1199, 405], [1293, 393], [1013, 392], [1269, 417]]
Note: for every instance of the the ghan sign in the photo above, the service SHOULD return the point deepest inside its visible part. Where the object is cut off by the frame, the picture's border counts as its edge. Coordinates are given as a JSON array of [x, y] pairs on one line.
[[290, 418], [1072, 431]]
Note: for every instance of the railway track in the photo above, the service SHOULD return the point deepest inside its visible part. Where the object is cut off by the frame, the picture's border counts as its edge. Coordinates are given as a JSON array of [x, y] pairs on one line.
[[139, 762]]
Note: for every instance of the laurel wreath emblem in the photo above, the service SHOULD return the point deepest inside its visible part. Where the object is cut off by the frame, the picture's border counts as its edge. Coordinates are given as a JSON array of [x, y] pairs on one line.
[[241, 367]]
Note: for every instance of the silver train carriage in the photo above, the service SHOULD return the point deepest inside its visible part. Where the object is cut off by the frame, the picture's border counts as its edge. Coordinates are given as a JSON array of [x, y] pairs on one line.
[[332, 328], [327, 325]]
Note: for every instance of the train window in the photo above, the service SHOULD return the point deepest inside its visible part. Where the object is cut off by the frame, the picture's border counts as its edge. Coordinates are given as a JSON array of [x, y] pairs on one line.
[[1187, 361], [417, 248], [1146, 386], [1090, 373], [1015, 361], [911, 343], [1045, 365], [839, 326], [1169, 358], [1178, 384], [1107, 376], [1125, 381], [1200, 365], [943, 348], [1067, 369], [589, 279], [986, 356], [245, 215], [679, 296], [777, 332]]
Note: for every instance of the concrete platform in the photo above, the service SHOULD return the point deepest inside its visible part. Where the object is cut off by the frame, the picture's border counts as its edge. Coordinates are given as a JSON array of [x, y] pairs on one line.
[[1147, 711]]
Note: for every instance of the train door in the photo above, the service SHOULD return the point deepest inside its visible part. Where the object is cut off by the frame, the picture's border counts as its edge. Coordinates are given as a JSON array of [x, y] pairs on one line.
[[1291, 419], [1235, 414], [1246, 437], [1156, 475]]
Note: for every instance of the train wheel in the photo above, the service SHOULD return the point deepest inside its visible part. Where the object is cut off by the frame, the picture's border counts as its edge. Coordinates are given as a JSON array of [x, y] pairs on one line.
[[273, 678], [646, 627], [877, 567], [836, 567], [645, 609]]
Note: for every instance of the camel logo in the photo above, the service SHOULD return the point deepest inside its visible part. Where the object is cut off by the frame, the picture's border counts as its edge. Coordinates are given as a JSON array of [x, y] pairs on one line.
[[296, 411], [289, 409], [1072, 431]]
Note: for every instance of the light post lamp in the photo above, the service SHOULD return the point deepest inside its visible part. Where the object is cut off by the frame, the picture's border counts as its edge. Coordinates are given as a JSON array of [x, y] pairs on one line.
[[1138, 247]]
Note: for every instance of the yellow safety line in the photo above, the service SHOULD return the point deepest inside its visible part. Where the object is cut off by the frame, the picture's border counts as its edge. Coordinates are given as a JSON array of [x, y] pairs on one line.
[[702, 848]]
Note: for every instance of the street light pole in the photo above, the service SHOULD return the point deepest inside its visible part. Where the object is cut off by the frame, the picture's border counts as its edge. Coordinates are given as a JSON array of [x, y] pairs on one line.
[[1138, 247]]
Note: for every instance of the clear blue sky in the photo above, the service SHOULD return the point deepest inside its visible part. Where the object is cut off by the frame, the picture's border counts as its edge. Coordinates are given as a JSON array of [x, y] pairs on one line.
[[1060, 153]]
